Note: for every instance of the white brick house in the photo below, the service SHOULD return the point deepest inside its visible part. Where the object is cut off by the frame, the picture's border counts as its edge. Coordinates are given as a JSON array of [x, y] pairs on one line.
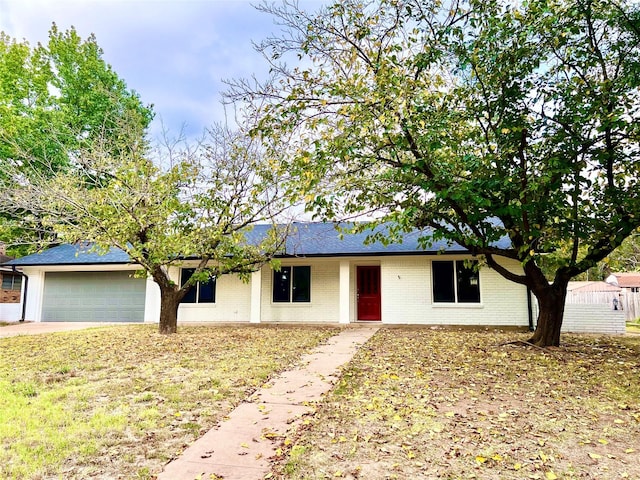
[[405, 286], [323, 279]]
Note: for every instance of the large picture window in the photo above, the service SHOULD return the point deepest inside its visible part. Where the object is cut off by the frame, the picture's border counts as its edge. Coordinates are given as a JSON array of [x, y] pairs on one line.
[[200, 292], [11, 282], [454, 282], [292, 284]]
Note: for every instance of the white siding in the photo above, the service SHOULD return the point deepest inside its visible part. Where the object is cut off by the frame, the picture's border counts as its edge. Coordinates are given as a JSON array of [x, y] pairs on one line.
[[593, 319], [406, 284], [325, 294], [152, 302], [407, 296]]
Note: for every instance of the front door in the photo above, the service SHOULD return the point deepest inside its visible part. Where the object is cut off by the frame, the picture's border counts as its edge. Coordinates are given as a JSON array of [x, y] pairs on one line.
[[369, 293]]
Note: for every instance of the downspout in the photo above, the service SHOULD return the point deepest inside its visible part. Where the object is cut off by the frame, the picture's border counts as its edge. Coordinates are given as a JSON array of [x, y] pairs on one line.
[[24, 292], [530, 309]]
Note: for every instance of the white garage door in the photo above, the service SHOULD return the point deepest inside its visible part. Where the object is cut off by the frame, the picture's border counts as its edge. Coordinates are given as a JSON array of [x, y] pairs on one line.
[[93, 297]]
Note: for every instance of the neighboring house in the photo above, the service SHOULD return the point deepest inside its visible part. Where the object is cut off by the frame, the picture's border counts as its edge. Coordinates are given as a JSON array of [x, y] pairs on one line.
[[588, 287], [11, 285], [629, 284], [323, 278], [629, 281], [10, 290]]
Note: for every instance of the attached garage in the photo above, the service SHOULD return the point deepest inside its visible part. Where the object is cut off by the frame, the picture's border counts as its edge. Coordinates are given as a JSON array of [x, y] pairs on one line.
[[93, 297]]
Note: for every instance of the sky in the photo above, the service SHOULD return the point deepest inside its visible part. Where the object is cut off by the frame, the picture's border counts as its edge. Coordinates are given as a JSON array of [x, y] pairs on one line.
[[174, 53]]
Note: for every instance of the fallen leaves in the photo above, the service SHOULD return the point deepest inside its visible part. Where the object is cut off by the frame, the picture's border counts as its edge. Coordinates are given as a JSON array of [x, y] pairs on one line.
[[458, 404]]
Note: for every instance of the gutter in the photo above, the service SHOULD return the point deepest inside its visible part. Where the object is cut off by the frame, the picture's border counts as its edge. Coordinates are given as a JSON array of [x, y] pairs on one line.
[[24, 291], [530, 309]]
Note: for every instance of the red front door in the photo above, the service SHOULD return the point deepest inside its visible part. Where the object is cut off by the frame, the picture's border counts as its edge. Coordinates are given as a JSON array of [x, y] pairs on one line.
[[369, 293]]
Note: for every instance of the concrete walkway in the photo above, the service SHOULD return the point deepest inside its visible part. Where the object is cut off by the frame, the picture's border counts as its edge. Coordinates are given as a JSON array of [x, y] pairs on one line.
[[240, 447], [35, 328]]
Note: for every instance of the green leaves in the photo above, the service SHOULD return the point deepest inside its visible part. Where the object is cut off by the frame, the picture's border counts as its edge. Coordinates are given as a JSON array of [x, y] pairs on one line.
[[56, 99], [198, 204], [520, 117], [63, 94]]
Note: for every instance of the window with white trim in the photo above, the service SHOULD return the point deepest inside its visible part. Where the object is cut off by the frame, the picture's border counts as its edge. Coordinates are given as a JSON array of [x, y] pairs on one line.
[[292, 284], [455, 282], [200, 292]]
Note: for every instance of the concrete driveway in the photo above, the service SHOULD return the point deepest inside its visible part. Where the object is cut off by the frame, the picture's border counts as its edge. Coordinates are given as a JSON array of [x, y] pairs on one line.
[[35, 328]]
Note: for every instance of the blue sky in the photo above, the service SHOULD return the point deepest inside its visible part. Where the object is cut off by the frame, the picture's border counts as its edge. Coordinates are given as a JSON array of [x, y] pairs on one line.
[[173, 53]]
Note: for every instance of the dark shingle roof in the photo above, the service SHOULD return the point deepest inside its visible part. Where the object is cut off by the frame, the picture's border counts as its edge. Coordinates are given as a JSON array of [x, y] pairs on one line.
[[305, 240], [323, 239], [72, 255]]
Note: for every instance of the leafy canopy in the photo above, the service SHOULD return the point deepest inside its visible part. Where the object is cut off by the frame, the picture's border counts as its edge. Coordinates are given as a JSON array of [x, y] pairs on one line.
[[56, 99], [162, 208], [477, 119]]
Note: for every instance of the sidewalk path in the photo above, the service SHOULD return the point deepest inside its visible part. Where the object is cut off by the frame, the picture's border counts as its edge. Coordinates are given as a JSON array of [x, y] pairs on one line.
[[35, 328], [240, 447]]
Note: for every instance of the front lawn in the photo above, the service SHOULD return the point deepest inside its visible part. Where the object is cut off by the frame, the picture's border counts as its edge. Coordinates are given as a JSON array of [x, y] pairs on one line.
[[436, 404], [633, 327], [120, 402]]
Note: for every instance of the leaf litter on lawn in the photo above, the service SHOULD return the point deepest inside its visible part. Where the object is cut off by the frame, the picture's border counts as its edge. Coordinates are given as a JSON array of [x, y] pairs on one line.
[[119, 402], [449, 404]]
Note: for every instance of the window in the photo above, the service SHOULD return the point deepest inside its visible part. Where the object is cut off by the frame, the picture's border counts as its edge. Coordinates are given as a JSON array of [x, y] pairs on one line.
[[292, 284], [11, 282], [453, 282], [201, 292]]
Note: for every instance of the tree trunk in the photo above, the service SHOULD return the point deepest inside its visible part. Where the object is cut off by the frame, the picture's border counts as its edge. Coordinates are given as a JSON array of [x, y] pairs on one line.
[[551, 302], [170, 297], [169, 303]]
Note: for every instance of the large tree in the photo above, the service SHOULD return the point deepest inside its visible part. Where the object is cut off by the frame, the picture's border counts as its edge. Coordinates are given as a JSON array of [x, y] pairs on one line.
[[57, 98], [476, 119], [192, 202]]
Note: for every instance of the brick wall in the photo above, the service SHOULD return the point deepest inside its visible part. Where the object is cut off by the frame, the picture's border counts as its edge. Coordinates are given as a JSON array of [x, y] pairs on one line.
[[325, 292], [233, 302], [9, 296], [408, 296]]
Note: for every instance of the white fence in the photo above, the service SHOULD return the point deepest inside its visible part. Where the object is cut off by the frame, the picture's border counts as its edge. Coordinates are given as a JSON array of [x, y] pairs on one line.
[[628, 302], [593, 318]]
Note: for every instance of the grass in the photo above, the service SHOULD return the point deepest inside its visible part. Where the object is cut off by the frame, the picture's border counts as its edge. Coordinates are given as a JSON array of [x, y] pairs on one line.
[[120, 402], [633, 327], [438, 404]]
